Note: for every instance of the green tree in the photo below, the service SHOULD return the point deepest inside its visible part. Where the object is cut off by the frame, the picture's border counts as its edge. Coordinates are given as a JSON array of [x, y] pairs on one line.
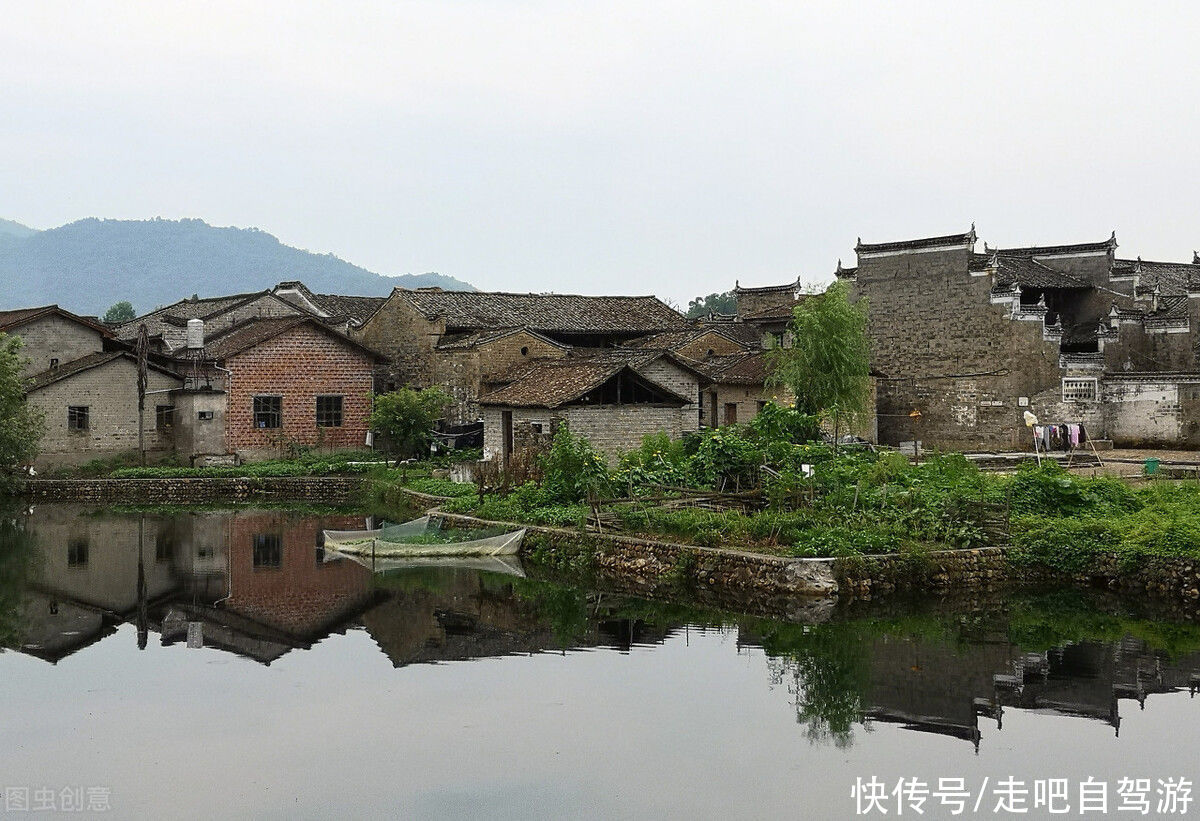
[[725, 303], [406, 418], [20, 424], [827, 365], [119, 313]]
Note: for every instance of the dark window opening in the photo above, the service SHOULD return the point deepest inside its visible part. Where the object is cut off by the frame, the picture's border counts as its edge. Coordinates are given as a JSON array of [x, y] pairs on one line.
[[77, 417], [268, 550], [524, 351], [77, 552], [164, 546], [329, 411], [268, 411], [204, 416], [762, 405], [53, 364], [164, 417]]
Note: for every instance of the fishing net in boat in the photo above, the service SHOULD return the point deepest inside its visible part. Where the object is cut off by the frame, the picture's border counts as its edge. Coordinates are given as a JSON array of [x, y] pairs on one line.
[[392, 533]]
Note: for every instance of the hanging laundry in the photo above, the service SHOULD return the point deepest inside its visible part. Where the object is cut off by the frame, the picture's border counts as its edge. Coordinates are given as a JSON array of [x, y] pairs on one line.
[[1073, 431]]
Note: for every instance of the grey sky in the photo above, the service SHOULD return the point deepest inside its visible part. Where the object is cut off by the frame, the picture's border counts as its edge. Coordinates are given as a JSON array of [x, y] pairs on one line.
[[608, 147]]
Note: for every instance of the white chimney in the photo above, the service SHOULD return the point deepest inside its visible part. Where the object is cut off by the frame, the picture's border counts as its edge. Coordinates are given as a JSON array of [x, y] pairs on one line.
[[195, 334]]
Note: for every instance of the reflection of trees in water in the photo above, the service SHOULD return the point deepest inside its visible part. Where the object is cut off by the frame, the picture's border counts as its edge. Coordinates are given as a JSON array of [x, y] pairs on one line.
[[16, 559], [827, 672]]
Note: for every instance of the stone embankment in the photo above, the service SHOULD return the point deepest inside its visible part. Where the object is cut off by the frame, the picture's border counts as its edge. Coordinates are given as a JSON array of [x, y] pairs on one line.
[[309, 489]]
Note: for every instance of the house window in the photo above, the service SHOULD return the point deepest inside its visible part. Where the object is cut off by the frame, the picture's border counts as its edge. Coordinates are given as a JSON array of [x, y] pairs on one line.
[[730, 413], [164, 546], [524, 350], [329, 411], [77, 417], [164, 417], [268, 411], [53, 364], [1079, 390], [204, 416], [77, 553], [762, 405], [268, 550]]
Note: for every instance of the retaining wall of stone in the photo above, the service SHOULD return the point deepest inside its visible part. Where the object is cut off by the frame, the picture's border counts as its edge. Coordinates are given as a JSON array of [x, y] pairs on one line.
[[312, 489]]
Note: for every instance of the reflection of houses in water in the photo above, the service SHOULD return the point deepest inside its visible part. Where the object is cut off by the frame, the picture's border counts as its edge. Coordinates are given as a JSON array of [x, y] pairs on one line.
[[945, 688], [256, 581], [463, 615]]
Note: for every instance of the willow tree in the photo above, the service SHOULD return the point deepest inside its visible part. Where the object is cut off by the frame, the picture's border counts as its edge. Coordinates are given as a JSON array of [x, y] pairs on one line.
[[827, 364]]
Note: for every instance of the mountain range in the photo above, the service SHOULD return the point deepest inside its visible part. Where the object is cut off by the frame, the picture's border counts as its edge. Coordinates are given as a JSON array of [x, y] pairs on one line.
[[88, 265]]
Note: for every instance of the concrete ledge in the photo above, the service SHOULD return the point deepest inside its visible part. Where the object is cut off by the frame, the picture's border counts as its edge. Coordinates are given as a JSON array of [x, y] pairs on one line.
[[314, 489]]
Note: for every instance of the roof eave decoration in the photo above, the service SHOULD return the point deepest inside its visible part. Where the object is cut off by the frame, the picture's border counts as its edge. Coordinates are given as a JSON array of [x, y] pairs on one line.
[[965, 240]]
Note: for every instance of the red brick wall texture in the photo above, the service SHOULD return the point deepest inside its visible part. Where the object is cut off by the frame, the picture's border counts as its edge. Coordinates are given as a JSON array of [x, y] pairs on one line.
[[299, 365]]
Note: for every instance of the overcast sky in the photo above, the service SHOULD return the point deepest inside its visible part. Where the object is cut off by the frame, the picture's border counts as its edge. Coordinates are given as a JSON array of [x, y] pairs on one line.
[[608, 146]]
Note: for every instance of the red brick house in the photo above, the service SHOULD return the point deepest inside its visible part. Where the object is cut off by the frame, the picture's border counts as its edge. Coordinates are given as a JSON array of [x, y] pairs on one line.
[[291, 381]]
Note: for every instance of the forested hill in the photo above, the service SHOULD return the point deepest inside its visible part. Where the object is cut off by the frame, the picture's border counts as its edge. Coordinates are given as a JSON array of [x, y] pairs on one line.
[[88, 265]]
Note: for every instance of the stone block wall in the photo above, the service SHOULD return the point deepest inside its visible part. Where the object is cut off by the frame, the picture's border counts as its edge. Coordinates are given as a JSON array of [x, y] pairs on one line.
[[55, 337], [615, 429], [950, 353], [110, 393], [333, 490], [680, 381], [299, 365]]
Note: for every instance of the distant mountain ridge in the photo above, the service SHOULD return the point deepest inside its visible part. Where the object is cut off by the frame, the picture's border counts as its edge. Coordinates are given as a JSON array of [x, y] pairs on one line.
[[88, 265]]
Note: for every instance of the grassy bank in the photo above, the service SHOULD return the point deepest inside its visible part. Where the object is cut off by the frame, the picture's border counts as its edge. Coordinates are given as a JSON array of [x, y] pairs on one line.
[[802, 499]]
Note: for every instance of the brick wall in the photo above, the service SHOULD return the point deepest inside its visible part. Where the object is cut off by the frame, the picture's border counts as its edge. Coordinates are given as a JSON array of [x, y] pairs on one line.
[[300, 593], [55, 337], [110, 393], [299, 366], [683, 382], [406, 338], [615, 429]]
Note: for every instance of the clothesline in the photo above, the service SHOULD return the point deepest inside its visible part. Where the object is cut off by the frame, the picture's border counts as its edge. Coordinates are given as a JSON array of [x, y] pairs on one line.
[[1063, 436]]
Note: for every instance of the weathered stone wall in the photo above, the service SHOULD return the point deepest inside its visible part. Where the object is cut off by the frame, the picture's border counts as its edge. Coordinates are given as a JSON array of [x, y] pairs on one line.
[[314, 489], [936, 572], [709, 344], [524, 422], [110, 393], [299, 366], [683, 382], [402, 334], [615, 429], [196, 437], [55, 337], [950, 353]]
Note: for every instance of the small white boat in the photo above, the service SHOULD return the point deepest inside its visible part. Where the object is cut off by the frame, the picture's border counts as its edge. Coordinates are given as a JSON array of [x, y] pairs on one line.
[[407, 541], [504, 565]]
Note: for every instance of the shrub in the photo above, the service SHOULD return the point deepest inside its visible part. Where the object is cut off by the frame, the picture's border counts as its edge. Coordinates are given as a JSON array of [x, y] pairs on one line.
[[574, 470]]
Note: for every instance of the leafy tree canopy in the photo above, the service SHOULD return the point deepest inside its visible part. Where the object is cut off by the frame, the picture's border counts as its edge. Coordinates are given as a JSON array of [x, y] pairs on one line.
[[20, 424], [120, 312], [725, 303], [827, 366], [406, 417]]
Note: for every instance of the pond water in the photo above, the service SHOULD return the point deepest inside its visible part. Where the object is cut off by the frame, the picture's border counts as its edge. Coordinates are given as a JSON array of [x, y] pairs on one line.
[[197, 664]]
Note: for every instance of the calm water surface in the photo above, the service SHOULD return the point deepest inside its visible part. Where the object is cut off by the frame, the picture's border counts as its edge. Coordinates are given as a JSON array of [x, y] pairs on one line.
[[207, 664]]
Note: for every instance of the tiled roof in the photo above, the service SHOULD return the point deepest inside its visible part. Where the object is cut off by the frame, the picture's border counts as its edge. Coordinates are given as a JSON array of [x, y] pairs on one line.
[[967, 239], [1033, 274], [85, 363], [1171, 278], [466, 341], [767, 289], [736, 332], [737, 369], [552, 383], [775, 312], [1170, 308], [553, 313], [1061, 250], [357, 308], [180, 312], [20, 316], [335, 306], [254, 332]]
